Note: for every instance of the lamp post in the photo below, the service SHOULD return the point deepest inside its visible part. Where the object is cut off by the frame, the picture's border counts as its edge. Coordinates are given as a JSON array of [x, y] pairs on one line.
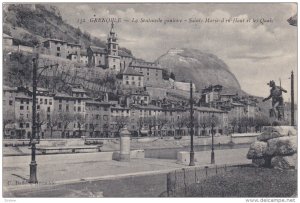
[[212, 156], [292, 100], [192, 154], [33, 141]]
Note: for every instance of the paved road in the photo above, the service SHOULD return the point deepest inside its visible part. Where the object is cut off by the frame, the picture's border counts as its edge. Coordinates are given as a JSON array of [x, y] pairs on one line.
[[87, 169]]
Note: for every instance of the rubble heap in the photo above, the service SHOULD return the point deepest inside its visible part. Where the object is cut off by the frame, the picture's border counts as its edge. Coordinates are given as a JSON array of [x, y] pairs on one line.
[[276, 147]]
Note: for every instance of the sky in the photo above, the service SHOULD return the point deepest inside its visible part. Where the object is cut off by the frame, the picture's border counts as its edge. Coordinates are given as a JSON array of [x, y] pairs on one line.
[[256, 51]]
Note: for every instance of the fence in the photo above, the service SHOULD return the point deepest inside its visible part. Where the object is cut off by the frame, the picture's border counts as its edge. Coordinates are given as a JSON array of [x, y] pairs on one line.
[[179, 180]]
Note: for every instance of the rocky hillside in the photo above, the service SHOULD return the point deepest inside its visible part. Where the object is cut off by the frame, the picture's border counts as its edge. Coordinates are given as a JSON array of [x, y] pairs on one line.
[[202, 68], [30, 24]]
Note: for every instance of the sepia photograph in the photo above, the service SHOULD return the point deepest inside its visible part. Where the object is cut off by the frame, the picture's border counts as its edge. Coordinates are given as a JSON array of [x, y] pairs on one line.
[[150, 100]]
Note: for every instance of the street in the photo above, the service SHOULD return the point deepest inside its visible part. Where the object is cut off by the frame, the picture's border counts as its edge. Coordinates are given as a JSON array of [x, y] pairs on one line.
[[54, 170]]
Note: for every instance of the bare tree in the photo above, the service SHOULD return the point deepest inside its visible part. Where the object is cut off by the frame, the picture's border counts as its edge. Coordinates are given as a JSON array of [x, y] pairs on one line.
[[66, 118], [8, 118], [53, 121], [121, 122], [181, 122], [81, 121], [234, 123], [161, 122], [204, 123]]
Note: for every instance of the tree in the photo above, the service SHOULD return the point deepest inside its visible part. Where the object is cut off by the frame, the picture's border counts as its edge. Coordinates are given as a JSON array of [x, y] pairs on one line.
[[121, 122], [66, 118], [234, 123], [41, 119], [151, 122], [261, 120], [161, 122], [181, 122], [53, 121], [81, 121], [172, 75], [140, 125], [8, 118], [204, 123]]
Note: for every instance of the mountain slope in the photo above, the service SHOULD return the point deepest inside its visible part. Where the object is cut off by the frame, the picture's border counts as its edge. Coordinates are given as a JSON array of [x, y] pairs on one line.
[[30, 24], [202, 68]]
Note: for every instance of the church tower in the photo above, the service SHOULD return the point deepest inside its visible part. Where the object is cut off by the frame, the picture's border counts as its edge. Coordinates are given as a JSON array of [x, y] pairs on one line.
[[112, 57]]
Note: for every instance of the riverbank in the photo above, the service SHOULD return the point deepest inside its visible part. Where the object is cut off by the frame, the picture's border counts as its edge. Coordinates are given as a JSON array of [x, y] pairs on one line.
[[113, 144]]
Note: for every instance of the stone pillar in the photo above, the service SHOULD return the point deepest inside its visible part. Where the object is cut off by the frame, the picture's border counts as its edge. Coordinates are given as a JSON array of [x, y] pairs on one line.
[[124, 145]]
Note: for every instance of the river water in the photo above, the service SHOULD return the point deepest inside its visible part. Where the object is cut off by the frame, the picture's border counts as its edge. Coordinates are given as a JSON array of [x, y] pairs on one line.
[[171, 153]]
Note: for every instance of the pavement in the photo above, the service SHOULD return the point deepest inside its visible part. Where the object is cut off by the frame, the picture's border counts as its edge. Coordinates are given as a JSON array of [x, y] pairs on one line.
[[62, 169]]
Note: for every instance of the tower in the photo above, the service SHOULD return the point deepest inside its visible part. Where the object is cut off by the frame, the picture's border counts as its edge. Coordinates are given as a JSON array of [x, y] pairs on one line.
[[112, 57]]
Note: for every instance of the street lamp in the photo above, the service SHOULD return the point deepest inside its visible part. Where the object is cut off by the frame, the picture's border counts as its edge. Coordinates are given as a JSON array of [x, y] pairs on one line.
[[212, 156], [192, 154], [33, 140]]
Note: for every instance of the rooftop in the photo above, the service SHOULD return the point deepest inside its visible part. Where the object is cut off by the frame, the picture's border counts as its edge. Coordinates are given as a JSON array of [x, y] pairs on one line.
[[78, 90], [98, 49], [144, 64], [130, 71], [208, 109], [55, 40]]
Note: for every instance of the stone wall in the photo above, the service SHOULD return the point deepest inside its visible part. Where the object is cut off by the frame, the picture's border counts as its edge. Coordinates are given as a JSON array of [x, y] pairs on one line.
[[276, 147]]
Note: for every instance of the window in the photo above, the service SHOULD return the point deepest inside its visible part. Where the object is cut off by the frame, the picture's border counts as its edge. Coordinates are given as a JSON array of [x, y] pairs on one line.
[[114, 46], [27, 125], [22, 102], [79, 109], [67, 108], [127, 77], [147, 73], [58, 54], [59, 125], [79, 101], [48, 109], [145, 98], [60, 101], [127, 82], [21, 107], [58, 48], [139, 84], [132, 78], [21, 125], [105, 109], [140, 78], [75, 108], [97, 116], [60, 107], [27, 102], [46, 101], [38, 107], [105, 117], [114, 66], [27, 108], [10, 102], [133, 83], [99, 62], [41, 101]]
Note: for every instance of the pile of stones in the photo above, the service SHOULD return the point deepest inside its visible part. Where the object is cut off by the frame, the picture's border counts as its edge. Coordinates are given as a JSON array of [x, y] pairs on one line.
[[276, 148]]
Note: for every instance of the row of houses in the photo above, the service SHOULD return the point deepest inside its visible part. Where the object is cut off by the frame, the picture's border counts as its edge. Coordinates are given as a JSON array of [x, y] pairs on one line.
[[75, 114]]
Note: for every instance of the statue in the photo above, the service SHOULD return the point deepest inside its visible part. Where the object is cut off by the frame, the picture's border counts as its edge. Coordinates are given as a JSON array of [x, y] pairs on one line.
[[277, 100]]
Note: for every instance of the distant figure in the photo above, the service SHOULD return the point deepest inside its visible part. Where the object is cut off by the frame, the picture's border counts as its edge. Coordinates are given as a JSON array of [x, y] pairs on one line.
[[277, 100]]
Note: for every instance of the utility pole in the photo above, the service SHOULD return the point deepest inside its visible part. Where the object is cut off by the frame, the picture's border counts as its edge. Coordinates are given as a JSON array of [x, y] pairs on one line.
[[292, 100], [33, 140], [192, 154]]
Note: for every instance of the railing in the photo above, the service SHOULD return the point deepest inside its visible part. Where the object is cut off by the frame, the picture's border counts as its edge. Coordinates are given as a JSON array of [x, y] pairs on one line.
[[179, 180]]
